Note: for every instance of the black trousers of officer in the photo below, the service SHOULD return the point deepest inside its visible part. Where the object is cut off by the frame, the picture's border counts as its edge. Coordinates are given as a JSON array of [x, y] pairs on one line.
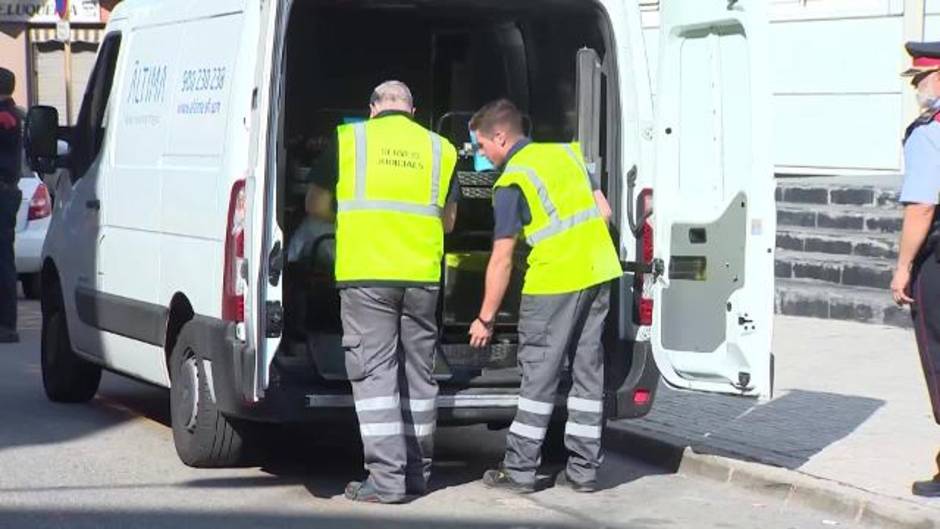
[[10, 197], [390, 337], [925, 289], [555, 331]]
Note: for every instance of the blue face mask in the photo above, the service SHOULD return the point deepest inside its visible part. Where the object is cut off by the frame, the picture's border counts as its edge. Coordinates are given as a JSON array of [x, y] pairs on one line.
[[480, 163]]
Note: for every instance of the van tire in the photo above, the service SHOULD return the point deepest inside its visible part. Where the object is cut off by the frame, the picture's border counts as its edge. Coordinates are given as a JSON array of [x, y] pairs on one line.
[[32, 285], [65, 376], [204, 437]]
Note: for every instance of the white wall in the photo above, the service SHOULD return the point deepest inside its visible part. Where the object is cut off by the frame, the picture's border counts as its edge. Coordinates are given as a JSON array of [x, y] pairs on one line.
[[838, 99]]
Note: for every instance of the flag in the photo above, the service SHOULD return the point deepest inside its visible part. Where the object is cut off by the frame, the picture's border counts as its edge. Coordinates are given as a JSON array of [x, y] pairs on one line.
[[62, 8]]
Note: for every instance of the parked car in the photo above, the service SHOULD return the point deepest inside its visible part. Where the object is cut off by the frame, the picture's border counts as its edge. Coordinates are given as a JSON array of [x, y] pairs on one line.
[[32, 222]]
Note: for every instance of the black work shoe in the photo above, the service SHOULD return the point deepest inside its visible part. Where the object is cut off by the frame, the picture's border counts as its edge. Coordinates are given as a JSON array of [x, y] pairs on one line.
[[927, 489], [562, 480], [499, 479], [364, 491], [8, 336], [415, 487]]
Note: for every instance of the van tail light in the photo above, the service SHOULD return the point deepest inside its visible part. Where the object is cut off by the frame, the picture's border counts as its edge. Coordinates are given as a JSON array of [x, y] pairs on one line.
[[233, 281], [40, 205], [643, 313], [641, 397]]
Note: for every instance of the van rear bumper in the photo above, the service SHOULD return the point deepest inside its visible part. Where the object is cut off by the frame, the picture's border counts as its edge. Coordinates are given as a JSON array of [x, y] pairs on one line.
[[286, 403], [635, 394], [464, 404]]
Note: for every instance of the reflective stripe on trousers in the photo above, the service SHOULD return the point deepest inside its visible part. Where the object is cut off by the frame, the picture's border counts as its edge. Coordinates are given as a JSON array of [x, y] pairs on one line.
[[397, 415], [548, 323]]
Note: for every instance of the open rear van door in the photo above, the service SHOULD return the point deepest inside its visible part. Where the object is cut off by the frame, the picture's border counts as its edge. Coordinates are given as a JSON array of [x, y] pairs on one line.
[[713, 199]]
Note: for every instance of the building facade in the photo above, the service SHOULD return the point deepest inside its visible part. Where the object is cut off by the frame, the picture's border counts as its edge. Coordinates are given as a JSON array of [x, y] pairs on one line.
[[840, 106], [31, 48]]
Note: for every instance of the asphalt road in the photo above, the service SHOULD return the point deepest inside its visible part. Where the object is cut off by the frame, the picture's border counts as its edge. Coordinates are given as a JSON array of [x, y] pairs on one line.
[[111, 463]]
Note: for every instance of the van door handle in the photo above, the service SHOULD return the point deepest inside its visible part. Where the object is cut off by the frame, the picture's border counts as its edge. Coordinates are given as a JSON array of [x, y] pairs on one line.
[[94, 204]]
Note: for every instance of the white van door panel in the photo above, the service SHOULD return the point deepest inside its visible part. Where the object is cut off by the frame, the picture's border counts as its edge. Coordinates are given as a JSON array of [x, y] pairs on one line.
[[78, 221], [714, 199], [636, 149], [258, 50], [201, 158], [86, 209]]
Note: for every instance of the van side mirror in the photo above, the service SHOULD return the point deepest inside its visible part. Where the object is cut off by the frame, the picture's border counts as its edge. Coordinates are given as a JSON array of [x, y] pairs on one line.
[[41, 138]]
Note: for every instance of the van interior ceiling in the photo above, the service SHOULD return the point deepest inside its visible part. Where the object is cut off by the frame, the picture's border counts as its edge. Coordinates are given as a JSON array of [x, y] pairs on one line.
[[455, 56]]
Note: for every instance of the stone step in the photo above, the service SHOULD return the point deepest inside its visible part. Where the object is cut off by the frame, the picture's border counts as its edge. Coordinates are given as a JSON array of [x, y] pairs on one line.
[[846, 218], [869, 192], [847, 270], [837, 242], [817, 299]]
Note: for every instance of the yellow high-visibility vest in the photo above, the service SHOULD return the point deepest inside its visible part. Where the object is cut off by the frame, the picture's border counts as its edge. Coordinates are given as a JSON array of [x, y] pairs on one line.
[[571, 246], [394, 176]]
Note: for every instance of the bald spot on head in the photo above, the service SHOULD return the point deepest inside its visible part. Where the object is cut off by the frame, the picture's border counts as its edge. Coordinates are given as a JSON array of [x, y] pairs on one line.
[[391, 95]]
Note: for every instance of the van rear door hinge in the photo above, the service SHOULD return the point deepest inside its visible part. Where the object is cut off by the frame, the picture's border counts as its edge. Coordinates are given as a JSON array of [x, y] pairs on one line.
[[275, 264], [274, 315]]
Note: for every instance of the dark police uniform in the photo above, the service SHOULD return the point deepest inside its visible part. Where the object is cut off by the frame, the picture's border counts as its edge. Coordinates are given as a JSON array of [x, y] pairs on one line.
[[11, 165], [922, 186]]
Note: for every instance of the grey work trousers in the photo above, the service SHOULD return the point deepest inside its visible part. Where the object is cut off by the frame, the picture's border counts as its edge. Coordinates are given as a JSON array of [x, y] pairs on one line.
[[555, 331], [390, 337]]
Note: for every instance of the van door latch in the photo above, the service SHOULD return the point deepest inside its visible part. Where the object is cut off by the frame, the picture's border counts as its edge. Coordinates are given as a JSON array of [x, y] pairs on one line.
[[659, 267], [656, 267], [274, 313], [744, 382]]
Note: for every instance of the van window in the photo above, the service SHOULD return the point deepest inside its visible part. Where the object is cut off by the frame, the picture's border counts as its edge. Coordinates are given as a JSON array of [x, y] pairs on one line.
[[88, 133]]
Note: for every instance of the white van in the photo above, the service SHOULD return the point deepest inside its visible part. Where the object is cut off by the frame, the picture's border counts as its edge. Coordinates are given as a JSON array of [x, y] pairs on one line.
[[202, 126]]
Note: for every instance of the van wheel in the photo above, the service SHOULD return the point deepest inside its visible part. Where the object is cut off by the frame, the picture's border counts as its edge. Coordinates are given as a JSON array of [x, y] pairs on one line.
[[65, 376], [204, 438], [32, 283]]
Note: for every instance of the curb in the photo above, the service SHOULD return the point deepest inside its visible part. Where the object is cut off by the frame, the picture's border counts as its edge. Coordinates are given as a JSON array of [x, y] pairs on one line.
[[791, 487]]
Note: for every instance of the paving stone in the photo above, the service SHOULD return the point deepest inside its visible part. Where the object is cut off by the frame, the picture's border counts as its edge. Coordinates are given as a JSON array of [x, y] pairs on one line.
[[840, 221], [789, 242], [796, 218], [897, 316], [823, 272], [884, 224], [857, 196], [806, 195], [862, 276], [816, 244], [887, 198], [875, 248], [805, 307], [846, 310]]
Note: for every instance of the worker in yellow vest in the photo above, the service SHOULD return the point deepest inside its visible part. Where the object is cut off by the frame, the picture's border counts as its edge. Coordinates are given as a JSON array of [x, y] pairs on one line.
[[546, 194], [395, 198]]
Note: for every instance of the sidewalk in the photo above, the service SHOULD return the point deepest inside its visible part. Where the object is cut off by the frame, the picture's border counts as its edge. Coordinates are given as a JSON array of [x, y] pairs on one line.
[[850, 406]]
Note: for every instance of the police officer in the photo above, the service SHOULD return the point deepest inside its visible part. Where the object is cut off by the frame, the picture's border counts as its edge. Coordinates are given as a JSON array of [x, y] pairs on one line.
[[395, 185], [917, 278], [11, 156], [546, 193]]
